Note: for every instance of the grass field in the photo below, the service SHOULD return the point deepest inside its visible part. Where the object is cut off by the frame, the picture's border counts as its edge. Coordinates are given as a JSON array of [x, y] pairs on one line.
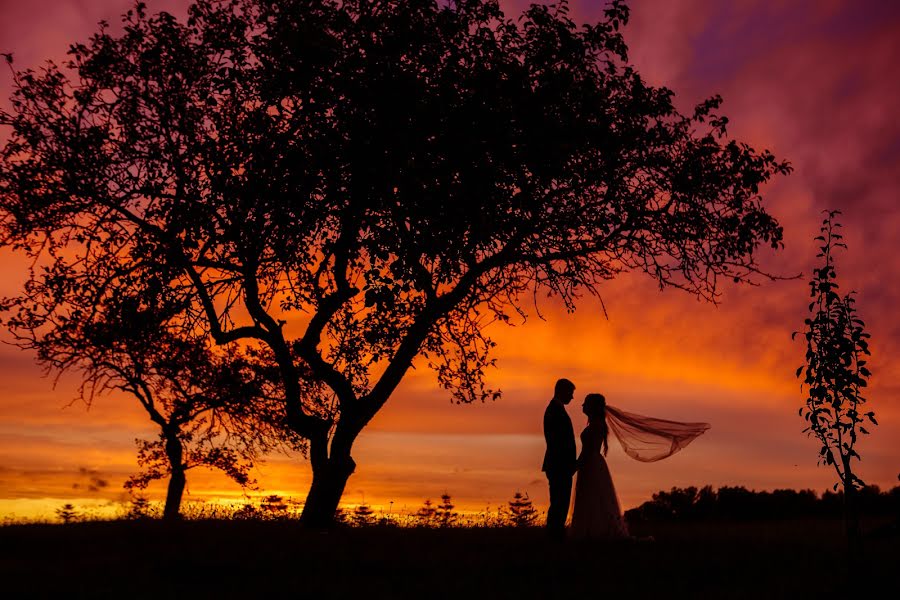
[[278, 559]]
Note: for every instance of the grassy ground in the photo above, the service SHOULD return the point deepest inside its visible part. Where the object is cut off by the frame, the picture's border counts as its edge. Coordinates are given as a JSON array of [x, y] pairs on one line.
[[234, 559]]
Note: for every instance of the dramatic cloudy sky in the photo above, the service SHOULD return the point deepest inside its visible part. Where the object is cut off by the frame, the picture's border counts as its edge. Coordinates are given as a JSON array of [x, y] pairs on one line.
[[815, 81]]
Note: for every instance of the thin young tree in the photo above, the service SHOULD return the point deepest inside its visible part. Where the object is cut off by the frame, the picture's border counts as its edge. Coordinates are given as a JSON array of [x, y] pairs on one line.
[[836, 372], [386, 177]]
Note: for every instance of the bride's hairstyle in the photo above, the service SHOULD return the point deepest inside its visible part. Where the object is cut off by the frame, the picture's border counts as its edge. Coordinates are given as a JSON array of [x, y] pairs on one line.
[[595, 406], [595, 409]]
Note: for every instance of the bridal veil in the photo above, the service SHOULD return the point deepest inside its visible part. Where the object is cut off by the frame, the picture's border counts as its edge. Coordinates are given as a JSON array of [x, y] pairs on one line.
[[648, 439]]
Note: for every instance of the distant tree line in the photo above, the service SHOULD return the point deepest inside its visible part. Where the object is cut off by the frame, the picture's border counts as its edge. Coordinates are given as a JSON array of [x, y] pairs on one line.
[[739, 503]]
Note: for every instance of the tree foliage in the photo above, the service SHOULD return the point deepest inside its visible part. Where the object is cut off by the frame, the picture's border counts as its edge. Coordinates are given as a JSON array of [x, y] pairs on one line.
[[387, 177]]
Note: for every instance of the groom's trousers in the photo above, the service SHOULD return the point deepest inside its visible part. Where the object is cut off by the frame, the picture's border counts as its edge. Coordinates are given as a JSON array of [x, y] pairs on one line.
[[560, 497]]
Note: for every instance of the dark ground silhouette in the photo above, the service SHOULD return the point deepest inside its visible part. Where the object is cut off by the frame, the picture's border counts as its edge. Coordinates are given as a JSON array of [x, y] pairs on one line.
[[775, 559]]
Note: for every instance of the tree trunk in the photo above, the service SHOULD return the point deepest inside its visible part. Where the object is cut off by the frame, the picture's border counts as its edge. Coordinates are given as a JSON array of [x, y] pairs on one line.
[[177, 481], [851, 521], [330, 475], [329, 481]]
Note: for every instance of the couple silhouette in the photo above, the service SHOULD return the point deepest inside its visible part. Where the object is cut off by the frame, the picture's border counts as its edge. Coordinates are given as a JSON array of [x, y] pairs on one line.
[[597, 514]]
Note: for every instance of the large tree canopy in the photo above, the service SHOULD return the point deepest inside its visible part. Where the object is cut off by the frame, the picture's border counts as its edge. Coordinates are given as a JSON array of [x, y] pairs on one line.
[[388, 176]]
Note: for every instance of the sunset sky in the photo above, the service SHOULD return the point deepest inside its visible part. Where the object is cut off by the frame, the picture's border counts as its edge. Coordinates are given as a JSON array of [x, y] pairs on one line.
[[817, 82]]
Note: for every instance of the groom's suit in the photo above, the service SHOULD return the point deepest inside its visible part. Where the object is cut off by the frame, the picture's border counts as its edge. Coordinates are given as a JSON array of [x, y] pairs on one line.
[[559, 464]]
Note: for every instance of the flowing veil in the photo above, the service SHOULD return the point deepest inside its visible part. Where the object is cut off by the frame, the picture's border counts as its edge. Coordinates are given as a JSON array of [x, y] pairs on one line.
[[648, 439]]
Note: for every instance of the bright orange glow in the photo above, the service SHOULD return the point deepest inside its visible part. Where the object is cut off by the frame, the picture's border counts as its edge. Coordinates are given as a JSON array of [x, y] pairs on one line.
[[812, 84]]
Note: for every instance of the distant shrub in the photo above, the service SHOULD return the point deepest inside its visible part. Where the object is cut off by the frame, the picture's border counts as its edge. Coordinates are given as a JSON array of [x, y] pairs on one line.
[[444, 511], [67, 513], [139, 508], [521, 511], [427, 513], [363, 515], [274, 506]]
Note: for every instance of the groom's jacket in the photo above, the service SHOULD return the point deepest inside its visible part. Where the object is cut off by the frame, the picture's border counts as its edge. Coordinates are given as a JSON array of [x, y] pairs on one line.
[[560, 456]]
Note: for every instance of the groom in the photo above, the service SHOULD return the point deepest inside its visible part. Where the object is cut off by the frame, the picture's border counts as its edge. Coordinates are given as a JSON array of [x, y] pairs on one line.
[[559, 460]]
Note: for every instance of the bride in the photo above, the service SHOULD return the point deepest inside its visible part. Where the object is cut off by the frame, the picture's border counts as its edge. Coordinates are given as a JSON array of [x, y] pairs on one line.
[[597, 513]]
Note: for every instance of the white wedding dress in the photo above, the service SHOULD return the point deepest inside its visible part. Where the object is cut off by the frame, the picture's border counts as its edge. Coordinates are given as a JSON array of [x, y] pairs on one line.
[[597, 514]]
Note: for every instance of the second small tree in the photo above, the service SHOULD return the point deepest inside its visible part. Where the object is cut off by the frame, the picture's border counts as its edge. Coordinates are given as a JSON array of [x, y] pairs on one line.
[[211, 409]]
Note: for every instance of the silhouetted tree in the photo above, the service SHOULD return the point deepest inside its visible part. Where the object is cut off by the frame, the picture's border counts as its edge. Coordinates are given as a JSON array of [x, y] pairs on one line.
[[706, 501], [676, 503], [139, 508], [340, 516], [521, 511], [444, 511], [246, 512], [391, 176], [426, 513], [274, 507], [835, 371], [363, 515], [67, 513]]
